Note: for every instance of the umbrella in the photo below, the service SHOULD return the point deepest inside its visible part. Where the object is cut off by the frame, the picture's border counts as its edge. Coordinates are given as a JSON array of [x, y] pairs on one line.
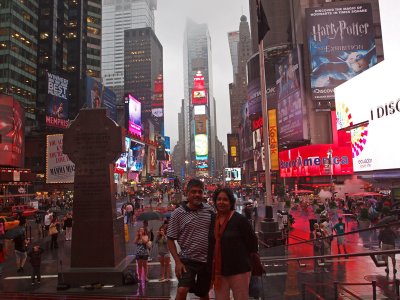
[[150, 215], [167, 214], [13, 233], [386, 220]]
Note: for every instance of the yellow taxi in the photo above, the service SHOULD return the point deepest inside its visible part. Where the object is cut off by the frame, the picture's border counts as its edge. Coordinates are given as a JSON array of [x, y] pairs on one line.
[[9, 222]]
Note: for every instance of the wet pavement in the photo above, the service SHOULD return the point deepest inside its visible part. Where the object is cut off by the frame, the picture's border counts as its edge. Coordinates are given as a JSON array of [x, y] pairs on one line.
[[278, 281]]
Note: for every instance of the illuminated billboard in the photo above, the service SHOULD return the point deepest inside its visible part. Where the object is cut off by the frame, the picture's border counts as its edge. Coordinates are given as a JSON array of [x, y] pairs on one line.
[[201, 146], [273, 140], [200, 124], [316, 160], [137, 157], [233, 150], [59, 168], [134, 115], [199, 110], [12, 142], [199, 92], [57, 101], [152, 160], [341, 42], [98, 96], [233, 174], [157, 104]]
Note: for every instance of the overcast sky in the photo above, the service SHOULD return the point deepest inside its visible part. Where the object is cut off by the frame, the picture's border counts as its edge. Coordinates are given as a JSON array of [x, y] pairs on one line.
[[221, 16]]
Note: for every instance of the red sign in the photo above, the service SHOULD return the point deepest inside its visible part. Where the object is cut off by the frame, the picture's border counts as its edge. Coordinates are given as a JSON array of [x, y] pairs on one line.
[[199, 97], [12, 142], [316, 160], [198, 82], [257, 123]]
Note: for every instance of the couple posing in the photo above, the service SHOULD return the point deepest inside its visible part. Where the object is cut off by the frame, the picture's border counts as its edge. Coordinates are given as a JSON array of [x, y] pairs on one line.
[[216, 249]]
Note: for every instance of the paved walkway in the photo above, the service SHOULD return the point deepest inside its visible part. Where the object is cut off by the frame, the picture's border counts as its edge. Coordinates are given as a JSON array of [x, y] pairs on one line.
[[274, 284]]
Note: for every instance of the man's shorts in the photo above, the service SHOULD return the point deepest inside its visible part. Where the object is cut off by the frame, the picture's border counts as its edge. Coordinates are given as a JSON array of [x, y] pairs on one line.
[[20, 255], [197, 277], [340, 240]]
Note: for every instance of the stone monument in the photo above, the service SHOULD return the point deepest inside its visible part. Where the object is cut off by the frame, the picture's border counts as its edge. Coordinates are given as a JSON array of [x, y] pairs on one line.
[[93, 142]]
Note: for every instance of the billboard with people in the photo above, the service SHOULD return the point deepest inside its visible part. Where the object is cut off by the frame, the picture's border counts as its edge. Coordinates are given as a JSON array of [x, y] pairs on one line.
[[341, 42], [12, 142], [134, 111], [98, 95]]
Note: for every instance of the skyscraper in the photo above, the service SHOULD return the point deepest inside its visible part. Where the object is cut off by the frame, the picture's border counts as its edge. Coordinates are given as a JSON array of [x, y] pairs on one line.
[[18, 53], [238, 89], [117, 17], [233, 39], [197, 63], [143, 67]]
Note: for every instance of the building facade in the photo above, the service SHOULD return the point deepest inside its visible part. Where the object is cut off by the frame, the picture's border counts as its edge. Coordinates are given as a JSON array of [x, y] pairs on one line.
[[143, 67], [18, 53], [117, 17]]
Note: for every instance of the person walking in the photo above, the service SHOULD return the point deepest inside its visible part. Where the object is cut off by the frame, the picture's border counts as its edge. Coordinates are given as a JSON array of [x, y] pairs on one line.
[[47, 220], [340, 229], [387, 241], [316, 236], [232, 269], [190, 227], [53, 233], [35, 259], [20, 248], [163, 254], [143, 244], [68, 226]]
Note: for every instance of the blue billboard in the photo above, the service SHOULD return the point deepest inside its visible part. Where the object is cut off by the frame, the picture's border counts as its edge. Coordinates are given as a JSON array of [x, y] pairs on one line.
[[98, 95]]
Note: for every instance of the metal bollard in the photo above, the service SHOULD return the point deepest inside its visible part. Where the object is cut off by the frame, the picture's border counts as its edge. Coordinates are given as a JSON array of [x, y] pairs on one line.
[[336, 290], [303, 291], [374, 289]]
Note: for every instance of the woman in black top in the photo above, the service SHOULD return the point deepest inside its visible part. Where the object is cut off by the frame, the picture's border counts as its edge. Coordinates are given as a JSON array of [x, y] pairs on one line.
[[231, 268]]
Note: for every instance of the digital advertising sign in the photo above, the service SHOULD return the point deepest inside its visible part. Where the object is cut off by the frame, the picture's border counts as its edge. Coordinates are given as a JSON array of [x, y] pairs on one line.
[[233, 174], [57, 101], [59, 168], [199, 110], [134, 115], [341, 42], [137, 158], [316, 160], [152, 160], [233, 150], [201, 146], [200, 124], [12, 132], [273, 140], [98, 96], [199, 92]]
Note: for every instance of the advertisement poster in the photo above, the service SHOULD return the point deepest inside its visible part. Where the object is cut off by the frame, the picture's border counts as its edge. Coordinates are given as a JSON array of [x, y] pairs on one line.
[[233, 174], [12, 143], [59, 169], [97, 96], [341, 42], [290, 115], [152, 160], [246, 143], [201, 146], [57, 101], [138, 154], [200, 124], [199, 92], [316, 160], [273, 140], [157, 104], [259, 161], [233, 150], [134, 116]]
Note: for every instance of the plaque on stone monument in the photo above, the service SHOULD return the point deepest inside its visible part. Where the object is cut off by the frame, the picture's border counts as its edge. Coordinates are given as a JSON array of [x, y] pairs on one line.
[[93, 142]]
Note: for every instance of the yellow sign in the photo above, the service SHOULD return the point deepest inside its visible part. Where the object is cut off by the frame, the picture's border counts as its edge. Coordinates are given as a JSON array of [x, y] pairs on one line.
[[233, 151], [273, 139]]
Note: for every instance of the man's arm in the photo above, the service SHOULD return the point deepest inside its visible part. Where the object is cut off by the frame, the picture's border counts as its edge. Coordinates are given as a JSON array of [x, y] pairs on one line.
[[179, 266]]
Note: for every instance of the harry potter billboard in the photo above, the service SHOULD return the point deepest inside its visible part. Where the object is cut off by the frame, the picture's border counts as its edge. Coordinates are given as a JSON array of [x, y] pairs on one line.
[[341, 42]]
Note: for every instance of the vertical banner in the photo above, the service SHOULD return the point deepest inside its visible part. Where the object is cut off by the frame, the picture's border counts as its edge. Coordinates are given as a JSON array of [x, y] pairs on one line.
[[157, 105], [59, 169], [341, 42], [233, 150], [152, 160], [57, 101], [273, 140], [290, 115]]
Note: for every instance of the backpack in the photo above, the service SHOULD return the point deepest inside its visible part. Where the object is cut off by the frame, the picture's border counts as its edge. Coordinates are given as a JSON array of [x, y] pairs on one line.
[[130, 277]]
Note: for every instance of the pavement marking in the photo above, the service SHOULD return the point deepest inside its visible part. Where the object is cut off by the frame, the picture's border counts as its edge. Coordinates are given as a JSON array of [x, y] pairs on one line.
[[275, 274], [28, 277]]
